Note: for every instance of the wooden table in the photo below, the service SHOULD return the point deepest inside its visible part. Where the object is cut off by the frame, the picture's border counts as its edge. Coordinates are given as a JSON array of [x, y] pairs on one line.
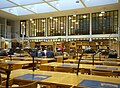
[[82, 66], [41, 60], [15, 64], [95, 62], [60, 78]]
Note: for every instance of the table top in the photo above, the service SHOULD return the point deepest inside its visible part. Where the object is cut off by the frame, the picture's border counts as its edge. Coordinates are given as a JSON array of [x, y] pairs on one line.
[[15, 62], [30, 58], [85, 66], [90, 61], [63, 78]]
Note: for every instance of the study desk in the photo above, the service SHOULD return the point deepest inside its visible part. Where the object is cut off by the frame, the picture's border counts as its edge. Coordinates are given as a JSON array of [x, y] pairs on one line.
[[41, 60], [59, 78], [95, 62], [87, 67], [14, 64]]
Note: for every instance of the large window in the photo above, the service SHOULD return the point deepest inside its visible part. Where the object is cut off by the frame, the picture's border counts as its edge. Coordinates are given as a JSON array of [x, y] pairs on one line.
[[33, 27], [56, 26], [105, 22], [38, 27], [102, 23], [23, 27], [79, 24]]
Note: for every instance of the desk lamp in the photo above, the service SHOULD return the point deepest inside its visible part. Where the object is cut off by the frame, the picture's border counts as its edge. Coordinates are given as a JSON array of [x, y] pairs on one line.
[[6, 72], [88, 50]]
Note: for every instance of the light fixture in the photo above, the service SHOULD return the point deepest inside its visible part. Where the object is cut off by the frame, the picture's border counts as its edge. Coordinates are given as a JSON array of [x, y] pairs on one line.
[[30, 19], [52, 28], [84, 16], [74, 15], [32, 22], [73, 20], [57, 4], [70, 18], [77, 1], [87, 0], [100, 14], [76, 23], [43, 20], [51, 17], [11, 10], [72, 27], [61, 27]]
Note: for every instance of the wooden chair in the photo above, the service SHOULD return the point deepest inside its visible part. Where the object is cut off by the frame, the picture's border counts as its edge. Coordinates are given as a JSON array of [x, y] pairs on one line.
[[20, 84], [45, 68], [100, 72], [111, 63], [64, 69], [79, 87], [59, 59], [7, 73]]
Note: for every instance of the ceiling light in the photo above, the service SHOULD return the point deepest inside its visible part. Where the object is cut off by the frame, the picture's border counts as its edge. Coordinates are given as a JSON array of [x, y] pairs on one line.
[[73, 20], [32, 8], [61, 27], [100, 14], [30, 19], [57, 4], [76, 23], [43, 20], [52, 28], [56, 19], [87, 0], [51, 17], [71, 26], [61, 22], [84, 16], [11, 10], [77, 1], [70, 18], [74, 15], [34, 24]]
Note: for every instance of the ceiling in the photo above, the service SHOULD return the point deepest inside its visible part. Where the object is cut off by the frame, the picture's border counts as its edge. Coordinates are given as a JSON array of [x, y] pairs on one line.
[[27, 7]]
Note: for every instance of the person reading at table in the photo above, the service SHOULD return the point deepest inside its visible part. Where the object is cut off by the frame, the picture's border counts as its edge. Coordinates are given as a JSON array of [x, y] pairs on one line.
[[49, 53], [41, 53]]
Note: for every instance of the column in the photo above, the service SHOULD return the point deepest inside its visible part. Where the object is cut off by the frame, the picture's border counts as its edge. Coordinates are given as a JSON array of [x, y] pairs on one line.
[[90, 27], [46, 30], [67, 29], [118, 34]]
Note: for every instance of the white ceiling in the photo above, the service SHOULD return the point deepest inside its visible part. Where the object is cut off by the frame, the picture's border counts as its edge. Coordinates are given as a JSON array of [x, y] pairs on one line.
[[18, 8]]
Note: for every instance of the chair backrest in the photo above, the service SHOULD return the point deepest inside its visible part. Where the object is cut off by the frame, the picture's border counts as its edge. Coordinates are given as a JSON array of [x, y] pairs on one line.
[[60, 59], [111, 63], [21, 85], [79, 87], [6, 72], [100, 72], [64, 69], [45, 68]]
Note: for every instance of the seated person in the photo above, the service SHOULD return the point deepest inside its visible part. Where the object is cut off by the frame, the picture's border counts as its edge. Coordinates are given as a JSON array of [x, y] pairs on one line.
[[59, 52], [3, 53], [11, 52], [41, 53], [112, 54], [34, 53], [49, 53]]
